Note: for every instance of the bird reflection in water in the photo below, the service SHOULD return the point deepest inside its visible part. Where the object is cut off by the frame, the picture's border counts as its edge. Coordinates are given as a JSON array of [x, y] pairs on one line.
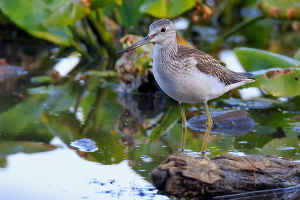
[[227, 122], [140, 115]]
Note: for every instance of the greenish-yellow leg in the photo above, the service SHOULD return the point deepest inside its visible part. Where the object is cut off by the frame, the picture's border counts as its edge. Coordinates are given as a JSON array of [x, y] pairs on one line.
[[184, 127], [209, 124]]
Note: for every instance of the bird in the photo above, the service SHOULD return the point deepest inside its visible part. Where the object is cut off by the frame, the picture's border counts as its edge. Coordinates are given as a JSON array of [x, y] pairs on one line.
[[186, 74]]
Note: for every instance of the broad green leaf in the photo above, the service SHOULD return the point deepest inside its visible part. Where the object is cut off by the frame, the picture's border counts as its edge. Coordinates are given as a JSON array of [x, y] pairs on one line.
[[259, 39], [101, 3], [297, 55], [68, 13], [3, 18], [41, 79], [130, 13], [30, 16], [103, 74], [280, 9], [167, 9], [279, 82], [254, 59]]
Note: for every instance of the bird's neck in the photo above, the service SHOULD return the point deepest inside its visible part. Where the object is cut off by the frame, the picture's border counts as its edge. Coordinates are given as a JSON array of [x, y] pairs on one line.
[[162, 51]]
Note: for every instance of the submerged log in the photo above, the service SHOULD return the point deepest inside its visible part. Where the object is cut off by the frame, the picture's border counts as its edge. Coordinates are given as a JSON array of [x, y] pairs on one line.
[[186, 176]]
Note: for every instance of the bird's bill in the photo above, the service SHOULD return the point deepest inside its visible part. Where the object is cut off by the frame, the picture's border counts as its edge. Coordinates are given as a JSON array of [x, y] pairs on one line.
[[143, 41]]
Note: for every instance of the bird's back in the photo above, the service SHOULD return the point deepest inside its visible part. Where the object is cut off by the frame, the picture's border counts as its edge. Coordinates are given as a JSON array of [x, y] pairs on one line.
[[208, 65], [192, 76]]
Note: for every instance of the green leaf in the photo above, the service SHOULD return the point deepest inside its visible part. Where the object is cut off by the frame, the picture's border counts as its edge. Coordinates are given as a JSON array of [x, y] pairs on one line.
[[280, 82], [103, 74], [259, 39], [3, 18], [101, 3], [297, 55], [279, 9], [130, 13], [167, 9], [68, 13], [254, 59], [30, 16], [41, 79]]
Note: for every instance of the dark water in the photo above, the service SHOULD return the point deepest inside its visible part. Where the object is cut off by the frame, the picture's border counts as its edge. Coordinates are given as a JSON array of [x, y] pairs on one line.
[[124, 137]]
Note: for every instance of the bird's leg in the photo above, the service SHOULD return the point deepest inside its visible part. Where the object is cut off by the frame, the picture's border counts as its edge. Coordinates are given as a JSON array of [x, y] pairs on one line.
[[209, 124], [184, 127]]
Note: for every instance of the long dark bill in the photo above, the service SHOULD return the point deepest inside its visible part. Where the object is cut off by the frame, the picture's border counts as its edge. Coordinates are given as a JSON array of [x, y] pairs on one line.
[[143, 41]]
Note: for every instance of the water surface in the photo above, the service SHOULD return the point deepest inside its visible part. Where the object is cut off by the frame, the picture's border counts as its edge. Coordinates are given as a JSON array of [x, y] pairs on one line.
[[132, 134]]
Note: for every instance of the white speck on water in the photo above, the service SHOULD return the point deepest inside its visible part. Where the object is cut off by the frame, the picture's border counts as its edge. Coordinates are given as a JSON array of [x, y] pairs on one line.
[[296, 128], [65, 65], [146, 159], [285, 148], [192, 109]]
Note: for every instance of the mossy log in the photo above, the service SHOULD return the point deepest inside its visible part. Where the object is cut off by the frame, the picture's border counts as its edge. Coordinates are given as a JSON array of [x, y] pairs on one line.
[[186, 176]]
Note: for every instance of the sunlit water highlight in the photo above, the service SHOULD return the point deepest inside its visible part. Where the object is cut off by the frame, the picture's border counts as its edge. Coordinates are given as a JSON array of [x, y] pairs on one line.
[[61, 174]]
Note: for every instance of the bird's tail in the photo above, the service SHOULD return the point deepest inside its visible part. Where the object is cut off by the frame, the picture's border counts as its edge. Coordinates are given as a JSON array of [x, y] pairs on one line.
[[248, 75]]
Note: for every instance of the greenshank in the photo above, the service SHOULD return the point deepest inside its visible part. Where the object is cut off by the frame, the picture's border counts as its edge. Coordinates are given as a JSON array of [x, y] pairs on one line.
[[186, 74]]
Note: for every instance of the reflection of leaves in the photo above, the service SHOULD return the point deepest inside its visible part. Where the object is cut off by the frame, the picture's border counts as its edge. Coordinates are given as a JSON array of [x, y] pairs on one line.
[[26, 114], [168, 120], [252, 142], [3, 161], [283, 147], [51, 111], [258, 103], [30, 113], [269, 126], [65, 133], [272, 119], [100, 127], [12, 147]]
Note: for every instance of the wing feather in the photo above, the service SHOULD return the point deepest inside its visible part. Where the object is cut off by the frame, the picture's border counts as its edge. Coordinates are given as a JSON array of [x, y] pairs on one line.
[[210, 66]]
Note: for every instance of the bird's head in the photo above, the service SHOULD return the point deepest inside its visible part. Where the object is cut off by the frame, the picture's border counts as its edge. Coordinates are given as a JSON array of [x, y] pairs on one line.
[[160, 31]]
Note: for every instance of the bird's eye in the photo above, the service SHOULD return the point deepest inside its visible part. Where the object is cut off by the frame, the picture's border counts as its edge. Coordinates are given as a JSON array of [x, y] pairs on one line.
[[163, 29]]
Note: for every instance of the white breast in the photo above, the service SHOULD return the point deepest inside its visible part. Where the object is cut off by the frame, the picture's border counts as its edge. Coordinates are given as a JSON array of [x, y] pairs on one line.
[[187, 87]]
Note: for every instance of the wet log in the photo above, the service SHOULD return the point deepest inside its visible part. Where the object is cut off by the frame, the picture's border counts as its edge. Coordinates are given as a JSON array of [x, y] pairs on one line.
[[186, 176]]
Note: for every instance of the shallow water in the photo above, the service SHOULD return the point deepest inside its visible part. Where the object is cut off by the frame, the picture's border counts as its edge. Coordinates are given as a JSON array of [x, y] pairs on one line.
[[132, 134]]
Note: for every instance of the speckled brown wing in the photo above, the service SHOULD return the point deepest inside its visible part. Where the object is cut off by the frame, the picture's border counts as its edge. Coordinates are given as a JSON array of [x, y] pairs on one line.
[[210, 66]]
